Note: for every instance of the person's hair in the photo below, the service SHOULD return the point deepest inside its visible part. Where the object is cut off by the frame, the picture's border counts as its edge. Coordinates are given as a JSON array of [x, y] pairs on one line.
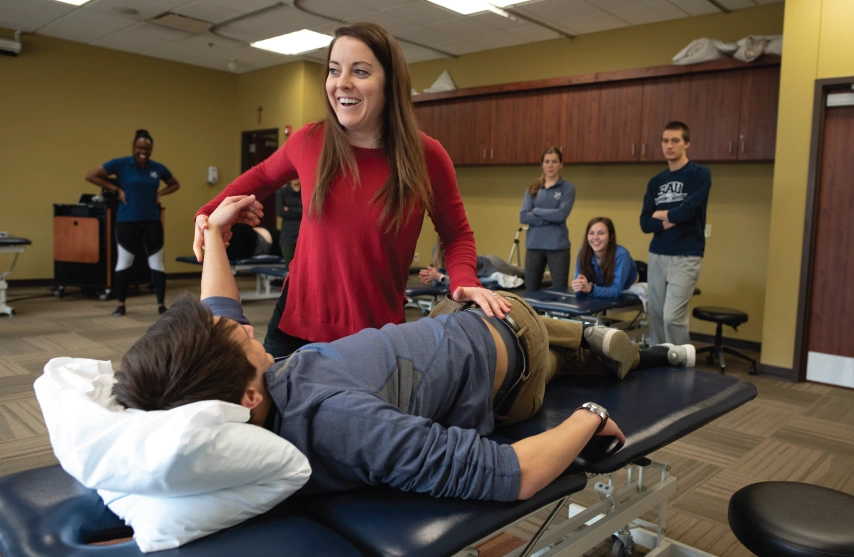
[[408, 184], [143, 134], [679, 126], [535, 186], [184, 357], [586, 255], [439, 254]]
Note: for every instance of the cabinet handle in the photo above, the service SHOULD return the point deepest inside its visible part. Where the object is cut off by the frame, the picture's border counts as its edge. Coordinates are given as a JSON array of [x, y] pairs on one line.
[[490, 153], [730, 146], [633, 149], [643, 149], [742, 146], [484, 153]]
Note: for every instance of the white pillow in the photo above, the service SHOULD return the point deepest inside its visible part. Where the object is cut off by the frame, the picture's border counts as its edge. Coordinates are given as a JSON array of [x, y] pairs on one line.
[[703, 50], [173, 475]]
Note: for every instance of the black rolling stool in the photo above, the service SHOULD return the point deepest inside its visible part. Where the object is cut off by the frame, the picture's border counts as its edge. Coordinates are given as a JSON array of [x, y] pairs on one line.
[[791, 519], [722, 316]]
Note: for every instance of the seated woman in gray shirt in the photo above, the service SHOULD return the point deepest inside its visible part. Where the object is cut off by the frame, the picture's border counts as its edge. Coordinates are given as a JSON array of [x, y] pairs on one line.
[[401, 405]]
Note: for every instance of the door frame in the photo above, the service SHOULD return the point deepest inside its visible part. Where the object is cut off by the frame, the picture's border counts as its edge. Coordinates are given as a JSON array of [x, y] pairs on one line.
[[822, 88], [246, 138]]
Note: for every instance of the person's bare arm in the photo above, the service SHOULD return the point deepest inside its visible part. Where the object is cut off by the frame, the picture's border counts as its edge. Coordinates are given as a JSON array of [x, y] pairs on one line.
[[172, 186], [98, 176], [543, 457], [217, 278]]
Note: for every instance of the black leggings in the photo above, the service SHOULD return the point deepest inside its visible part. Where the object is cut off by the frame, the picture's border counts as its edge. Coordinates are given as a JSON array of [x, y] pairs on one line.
[[535, 266], [278, 343], [129, 235]]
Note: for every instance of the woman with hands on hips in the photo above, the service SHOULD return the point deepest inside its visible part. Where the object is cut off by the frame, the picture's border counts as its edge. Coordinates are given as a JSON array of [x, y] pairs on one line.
[[603, 269], [545, 208], [368, 175]]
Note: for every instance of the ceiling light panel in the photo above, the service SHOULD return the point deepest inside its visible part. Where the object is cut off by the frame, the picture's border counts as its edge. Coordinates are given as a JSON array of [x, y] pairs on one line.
[[295, 43], [73, 2]]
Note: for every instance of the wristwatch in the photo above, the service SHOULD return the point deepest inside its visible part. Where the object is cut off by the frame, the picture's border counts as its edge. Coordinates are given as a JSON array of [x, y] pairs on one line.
[[597, 409]]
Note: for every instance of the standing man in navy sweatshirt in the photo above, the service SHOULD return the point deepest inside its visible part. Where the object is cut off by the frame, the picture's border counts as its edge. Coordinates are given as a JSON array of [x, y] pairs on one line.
[[674, 211]]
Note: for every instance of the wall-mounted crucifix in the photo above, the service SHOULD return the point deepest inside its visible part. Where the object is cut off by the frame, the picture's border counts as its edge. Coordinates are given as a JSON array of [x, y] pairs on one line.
[[260, 110]]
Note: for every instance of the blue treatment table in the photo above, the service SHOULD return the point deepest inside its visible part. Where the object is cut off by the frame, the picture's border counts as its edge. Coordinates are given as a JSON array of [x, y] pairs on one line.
[[263, 281], [16, 246], [46, 513]]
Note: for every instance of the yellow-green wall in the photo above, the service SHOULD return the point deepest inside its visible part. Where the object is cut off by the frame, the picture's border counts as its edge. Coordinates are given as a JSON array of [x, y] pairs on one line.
[[818, 45], [740, 206], [68, 107]]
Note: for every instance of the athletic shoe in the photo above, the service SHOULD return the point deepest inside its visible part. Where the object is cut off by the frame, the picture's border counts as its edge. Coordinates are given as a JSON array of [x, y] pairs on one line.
[[614, 347], [161, 309], [683, 356], [120, 311]]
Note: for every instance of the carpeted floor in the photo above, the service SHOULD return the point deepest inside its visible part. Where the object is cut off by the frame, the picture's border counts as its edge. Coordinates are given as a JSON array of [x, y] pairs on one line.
[[800, 432]]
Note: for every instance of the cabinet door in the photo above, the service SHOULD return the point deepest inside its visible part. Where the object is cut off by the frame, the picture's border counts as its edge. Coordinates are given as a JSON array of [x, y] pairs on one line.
[[620, 121], [714, 107], [580, 124], [454, 122], [516, 124], [425, 113], [664, 100], [757, 134]]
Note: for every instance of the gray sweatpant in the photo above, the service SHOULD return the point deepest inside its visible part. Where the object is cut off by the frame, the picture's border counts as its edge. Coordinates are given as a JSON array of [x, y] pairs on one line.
[[671, 280]]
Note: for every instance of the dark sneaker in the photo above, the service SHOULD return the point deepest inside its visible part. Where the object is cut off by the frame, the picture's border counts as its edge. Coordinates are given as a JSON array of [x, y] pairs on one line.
[[612, 346]]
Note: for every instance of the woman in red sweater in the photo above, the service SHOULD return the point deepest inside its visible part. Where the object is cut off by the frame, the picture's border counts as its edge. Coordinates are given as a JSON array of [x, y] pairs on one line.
[[368, 175]]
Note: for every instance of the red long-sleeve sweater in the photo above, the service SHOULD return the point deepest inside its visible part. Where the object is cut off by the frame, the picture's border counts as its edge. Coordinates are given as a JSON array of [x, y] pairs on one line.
[[348, 274]]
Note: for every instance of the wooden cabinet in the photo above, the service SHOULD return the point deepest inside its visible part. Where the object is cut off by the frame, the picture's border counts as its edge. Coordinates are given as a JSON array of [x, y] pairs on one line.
[[714, 108], [664, 100], [619, 122], [757, 129], [731, 111]]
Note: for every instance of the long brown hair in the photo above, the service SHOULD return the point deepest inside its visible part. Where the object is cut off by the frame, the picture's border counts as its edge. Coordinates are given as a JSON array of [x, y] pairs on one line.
[[439, 255], [586, 254], [408, 184], [535, 186]]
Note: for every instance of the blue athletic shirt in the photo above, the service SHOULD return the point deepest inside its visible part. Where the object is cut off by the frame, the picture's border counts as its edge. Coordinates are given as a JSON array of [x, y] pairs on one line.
[[625, 275], [140, 186], [546, 216]]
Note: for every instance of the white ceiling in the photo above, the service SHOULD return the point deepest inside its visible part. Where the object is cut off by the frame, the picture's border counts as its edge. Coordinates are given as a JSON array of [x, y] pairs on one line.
[[107, 23]]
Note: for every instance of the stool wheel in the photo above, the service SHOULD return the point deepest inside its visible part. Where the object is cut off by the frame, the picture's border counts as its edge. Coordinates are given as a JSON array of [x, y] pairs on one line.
[[622, 549], [752, 370]]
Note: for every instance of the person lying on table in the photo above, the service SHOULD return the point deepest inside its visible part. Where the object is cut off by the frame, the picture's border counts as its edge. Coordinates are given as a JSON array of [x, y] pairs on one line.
[[406, 405]]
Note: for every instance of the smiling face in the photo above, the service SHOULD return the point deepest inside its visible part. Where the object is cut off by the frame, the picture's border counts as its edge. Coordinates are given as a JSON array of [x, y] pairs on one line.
[[355, 84], [598, 238], [551, 166], [142, 151]]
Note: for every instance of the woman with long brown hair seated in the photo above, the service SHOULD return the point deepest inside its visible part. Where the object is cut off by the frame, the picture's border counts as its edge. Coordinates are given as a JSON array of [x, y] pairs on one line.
[[603, 268]]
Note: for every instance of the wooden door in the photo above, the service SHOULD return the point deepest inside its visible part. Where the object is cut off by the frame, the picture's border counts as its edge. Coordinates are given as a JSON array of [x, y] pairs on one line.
[[831, 311], [425, 113], [454, 124], [256, 147], [516, 124], [581, 124], [664, 100], [757, 134], [619, 121], [714, 108], [547, 124]]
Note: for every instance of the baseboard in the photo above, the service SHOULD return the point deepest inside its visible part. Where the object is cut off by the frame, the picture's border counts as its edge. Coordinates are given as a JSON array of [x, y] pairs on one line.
[[737, 343], [49, 282], [784, 373]]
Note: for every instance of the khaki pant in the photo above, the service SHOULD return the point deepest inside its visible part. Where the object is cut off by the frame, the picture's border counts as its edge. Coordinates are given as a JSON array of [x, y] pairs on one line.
[[548, 346]]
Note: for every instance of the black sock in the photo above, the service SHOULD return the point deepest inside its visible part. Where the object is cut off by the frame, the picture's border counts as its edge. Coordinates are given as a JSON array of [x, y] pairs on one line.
[[655, 356]]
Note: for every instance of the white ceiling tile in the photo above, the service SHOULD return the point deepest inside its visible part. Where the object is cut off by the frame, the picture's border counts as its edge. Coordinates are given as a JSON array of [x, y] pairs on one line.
[[30, 15], [128, 41], [192, 48], [535, 33], [500, 40], [554, 10], [460, 47], [422, 13], [86, 27], [663, 11], [592, 23], [326, 28], [375, 4], [386, 21], [164, 34], [146, 8], [335, 9], [737, 4], [613, 5], [696, 7], [425, 35], [211, 14], [271, 24], [463, 28], [239, 6], [417, 54], [496, 21]]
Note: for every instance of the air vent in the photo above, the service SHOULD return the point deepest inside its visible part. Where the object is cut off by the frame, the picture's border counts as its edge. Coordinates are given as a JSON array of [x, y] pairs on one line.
[[181, 23]]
